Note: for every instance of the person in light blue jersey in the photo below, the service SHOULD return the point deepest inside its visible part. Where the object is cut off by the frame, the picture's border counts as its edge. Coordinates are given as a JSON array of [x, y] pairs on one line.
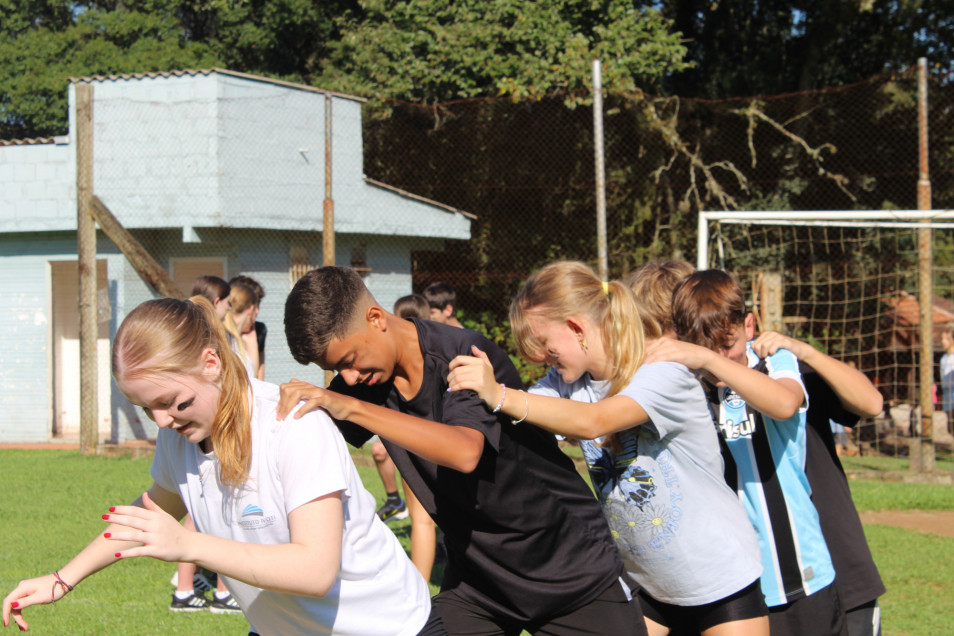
[[760, 406]]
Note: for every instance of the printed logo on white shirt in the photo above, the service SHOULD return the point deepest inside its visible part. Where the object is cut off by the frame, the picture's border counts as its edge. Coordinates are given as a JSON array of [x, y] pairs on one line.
[[254, 518]]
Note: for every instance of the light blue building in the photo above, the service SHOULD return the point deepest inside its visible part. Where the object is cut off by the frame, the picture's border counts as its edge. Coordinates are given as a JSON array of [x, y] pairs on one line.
[[214, 172]]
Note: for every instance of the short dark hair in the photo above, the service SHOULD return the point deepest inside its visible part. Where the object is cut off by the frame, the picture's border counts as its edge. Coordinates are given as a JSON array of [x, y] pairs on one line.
[[707, 307], [212, 287], [439, 295], [412, 306], [252, 284], [320, 308]]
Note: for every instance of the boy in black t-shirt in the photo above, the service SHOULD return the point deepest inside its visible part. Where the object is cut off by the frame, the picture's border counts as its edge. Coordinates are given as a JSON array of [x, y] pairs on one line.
[[527, 545]]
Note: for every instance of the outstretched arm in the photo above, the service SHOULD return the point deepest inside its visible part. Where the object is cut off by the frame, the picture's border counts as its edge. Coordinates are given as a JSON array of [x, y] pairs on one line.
[[567, 417], [100, 553], [853, 388], [307, 565], [457, 447], [777, 398]]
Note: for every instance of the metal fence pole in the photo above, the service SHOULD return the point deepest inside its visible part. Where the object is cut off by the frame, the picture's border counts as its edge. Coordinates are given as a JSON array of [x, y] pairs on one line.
[[86, 254], [925, 286], [600, 170]]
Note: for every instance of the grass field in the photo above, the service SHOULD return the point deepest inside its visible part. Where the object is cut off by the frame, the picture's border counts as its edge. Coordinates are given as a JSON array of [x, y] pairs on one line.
[[51, 502]]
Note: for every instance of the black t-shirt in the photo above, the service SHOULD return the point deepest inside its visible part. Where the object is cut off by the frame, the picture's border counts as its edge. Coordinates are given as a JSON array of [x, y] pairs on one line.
[[856, 575], [524, 534]]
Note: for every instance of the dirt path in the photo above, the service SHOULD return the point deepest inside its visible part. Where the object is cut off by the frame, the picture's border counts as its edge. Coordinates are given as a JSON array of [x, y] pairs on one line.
[[940, 522]]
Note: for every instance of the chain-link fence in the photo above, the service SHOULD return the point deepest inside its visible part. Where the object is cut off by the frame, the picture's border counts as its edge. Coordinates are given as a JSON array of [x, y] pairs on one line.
[[250, 166]]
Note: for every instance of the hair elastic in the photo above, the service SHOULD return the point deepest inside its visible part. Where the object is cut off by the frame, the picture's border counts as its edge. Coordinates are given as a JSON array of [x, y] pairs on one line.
[[606, 287], [59, 581]]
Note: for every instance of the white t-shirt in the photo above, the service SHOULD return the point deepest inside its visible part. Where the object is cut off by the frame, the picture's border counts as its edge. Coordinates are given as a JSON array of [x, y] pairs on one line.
[[378, 590], [681, 531]]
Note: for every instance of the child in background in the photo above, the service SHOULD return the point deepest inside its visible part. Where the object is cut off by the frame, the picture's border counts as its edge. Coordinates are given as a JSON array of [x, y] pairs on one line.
[[527, 547], [240, 319], [443, 303], [281, 509], [255, 334], [947, 374], [216, 291], [648, 441], [761, 416]]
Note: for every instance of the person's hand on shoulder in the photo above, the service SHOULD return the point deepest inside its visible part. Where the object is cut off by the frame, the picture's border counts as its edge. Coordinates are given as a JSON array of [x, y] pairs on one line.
[[671, 350], [477, 374], [312, 397], [769, 342]]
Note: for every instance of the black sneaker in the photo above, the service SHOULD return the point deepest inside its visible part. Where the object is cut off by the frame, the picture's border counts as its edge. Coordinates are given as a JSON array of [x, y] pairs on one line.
[[393, 512], [195, 603], [226, 605]]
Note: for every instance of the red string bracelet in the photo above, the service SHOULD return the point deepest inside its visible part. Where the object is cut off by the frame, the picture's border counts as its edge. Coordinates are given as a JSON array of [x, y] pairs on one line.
[[59, 581]]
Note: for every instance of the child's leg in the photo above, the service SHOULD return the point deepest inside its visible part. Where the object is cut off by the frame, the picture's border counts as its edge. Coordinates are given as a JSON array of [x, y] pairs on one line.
[[423, 534]]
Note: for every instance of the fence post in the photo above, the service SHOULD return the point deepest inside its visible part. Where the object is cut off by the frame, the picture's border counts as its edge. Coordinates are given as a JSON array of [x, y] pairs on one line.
[[86, 254], [925, 287], [328, 230], [600, 170]]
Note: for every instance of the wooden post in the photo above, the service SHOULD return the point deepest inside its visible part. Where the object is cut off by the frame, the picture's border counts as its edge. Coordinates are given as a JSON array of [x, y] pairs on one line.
[[925, 284], [145, 265], [86, 253], [328, 231], [771, 306]]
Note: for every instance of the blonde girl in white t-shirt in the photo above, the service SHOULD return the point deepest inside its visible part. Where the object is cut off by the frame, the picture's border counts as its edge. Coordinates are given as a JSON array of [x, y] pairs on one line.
[[279, 506]]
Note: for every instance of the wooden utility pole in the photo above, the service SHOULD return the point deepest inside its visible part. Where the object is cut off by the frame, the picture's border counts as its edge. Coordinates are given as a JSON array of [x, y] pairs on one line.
[[328, 233], [923, 459], [86, 253]]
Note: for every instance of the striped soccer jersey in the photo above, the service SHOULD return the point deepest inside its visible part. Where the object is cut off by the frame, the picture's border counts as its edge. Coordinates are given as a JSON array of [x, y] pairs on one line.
[[765, 463]]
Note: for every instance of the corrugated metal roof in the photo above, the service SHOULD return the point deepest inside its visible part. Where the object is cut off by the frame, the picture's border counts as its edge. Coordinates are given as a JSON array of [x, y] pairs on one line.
[[28, 142], [209, 71]]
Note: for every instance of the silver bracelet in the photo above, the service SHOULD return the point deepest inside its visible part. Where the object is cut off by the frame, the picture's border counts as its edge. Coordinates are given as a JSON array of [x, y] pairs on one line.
[[503, 396], [526, 402]]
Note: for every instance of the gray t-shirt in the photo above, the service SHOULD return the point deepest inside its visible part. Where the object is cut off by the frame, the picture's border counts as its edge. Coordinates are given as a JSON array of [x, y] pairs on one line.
[[682, 532]]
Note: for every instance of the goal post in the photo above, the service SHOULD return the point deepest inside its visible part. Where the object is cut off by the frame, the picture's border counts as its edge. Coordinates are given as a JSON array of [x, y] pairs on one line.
[[845, 281]]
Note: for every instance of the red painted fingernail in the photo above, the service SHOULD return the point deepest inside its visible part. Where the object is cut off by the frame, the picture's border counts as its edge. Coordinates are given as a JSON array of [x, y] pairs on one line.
[[106, 517], [14, 605], [112, 508], [108, 535], [118, 555]]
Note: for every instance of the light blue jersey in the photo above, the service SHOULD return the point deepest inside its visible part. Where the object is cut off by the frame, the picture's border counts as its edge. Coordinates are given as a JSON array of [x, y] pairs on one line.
[[769, 458]]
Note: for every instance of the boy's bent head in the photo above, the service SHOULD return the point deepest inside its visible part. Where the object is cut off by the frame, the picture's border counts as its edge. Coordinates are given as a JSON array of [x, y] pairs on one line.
[[708, 309], [325, 304]]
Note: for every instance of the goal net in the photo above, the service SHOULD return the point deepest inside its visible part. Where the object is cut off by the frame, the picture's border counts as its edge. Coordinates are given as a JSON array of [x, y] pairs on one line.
[[847, 282]]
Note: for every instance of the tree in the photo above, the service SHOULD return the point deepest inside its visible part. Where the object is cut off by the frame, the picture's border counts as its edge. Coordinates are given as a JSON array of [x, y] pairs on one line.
[[433, 51], [768, 47], [44, 43]]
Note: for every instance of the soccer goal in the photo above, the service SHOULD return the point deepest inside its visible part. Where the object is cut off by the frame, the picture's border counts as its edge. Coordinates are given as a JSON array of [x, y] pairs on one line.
[[846, 281]]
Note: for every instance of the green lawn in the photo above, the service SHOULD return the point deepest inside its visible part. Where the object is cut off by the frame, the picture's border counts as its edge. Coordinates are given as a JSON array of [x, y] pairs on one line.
[[51, 502]]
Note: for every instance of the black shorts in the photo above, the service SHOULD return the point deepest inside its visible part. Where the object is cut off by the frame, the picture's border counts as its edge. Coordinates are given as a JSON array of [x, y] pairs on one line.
[[684, 619], [819, 614], [615, 611]]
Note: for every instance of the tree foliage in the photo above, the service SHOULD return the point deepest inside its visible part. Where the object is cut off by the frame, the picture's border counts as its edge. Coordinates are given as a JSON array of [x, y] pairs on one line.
[[441, 50], [769, 47]]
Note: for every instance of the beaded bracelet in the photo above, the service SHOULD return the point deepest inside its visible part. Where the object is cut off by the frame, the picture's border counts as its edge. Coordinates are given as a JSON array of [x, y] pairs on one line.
[[526, 402], [503, 396]]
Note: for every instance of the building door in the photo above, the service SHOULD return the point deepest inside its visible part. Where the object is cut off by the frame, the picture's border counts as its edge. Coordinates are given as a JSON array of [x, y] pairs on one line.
[[66, 355]]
